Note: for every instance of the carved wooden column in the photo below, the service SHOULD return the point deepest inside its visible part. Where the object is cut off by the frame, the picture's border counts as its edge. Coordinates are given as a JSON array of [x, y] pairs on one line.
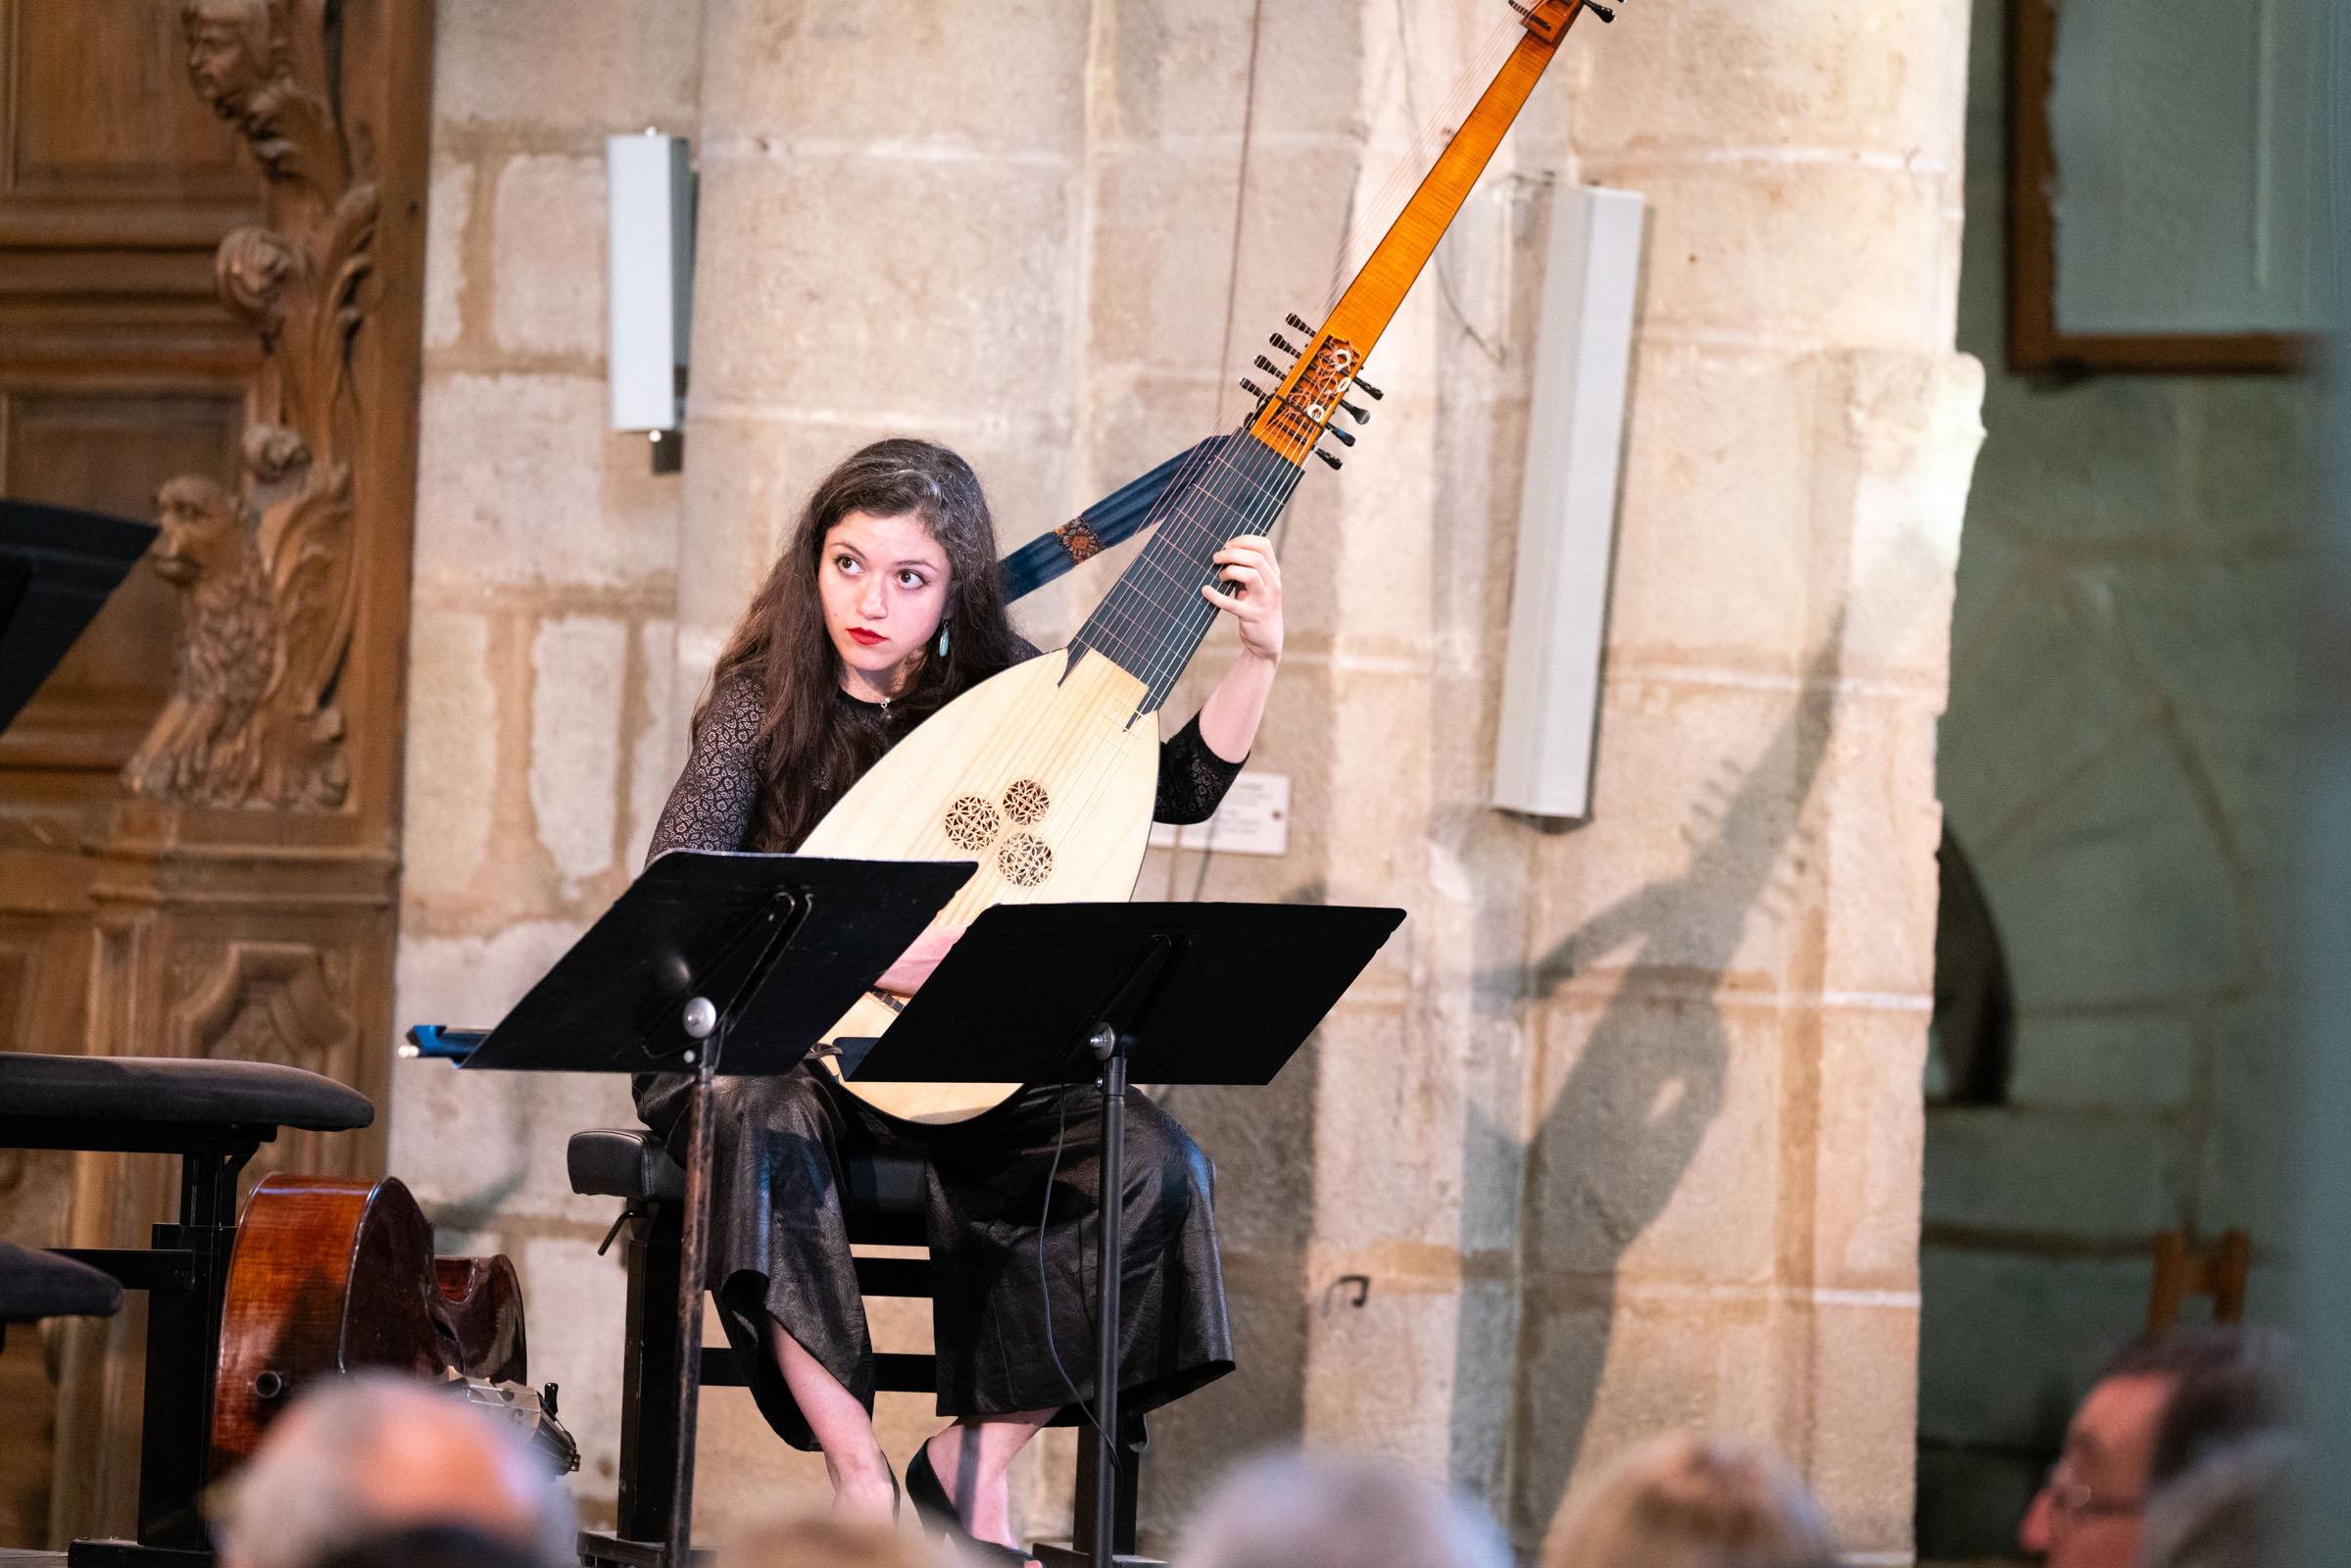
[[245, 887]]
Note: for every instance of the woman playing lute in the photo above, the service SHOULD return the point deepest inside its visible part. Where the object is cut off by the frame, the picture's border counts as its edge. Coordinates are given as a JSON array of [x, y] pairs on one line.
[[884, 607]]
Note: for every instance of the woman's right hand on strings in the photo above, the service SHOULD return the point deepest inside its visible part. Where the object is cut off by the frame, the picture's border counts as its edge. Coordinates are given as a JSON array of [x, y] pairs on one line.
[[914, 965]]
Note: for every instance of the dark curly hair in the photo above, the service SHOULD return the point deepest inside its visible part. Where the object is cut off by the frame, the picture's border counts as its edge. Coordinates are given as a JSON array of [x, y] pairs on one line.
[[813, 746]]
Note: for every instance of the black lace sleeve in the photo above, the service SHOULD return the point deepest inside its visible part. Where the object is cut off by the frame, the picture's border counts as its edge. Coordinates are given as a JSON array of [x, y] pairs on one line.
[[1192, 779], [709, 807]]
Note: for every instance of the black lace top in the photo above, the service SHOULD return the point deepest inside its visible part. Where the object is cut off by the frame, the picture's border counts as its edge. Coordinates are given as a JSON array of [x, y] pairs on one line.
[[713, 805]]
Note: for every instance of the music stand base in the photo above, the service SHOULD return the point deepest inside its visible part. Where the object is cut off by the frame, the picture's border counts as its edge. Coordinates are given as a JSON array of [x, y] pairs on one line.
[[601, 1549], [105, 1553], [1050, 1554]]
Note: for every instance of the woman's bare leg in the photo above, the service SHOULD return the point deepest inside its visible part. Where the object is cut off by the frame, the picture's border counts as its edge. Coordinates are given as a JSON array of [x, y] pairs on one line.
[[853, 1459], [973, 1458]]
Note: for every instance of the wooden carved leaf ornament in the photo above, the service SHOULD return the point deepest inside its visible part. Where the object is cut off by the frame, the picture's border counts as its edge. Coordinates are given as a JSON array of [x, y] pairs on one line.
[[266, 574]]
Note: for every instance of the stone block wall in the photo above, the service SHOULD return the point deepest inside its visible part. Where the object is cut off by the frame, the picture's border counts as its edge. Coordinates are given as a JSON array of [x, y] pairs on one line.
[[2114, 763], [1623, 1127], [542, 736]]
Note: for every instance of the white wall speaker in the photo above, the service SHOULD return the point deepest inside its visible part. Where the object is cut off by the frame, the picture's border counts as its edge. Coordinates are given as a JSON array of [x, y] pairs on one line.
[[651, 214], [1543, 758]]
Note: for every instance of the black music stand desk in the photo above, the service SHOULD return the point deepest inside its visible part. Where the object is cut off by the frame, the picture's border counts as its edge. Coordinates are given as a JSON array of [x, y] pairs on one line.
[[56, 566], [711, 962], [1104, 992]]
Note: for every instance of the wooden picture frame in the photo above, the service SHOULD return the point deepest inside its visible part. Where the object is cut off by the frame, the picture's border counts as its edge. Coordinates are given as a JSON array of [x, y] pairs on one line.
[[2035, 340]]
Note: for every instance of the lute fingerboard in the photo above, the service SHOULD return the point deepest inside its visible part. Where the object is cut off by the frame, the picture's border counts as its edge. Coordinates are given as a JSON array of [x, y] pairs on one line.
[[1154, 618]]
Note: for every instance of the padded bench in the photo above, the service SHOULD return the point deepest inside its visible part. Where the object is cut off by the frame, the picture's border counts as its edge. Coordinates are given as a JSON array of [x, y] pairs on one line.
[[34, 1285], [214, 1115]]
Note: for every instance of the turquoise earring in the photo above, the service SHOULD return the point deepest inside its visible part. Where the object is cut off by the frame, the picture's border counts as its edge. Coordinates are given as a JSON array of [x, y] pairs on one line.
[[943, 639]]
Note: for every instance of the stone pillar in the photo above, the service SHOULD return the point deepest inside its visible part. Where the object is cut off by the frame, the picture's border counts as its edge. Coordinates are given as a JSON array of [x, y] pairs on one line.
[[890, 234], [1623, 1128], [541, 742], [1647, 1091]]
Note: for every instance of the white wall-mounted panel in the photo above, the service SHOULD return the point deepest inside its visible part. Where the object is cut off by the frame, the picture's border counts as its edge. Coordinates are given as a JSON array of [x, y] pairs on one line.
[[1567, 510], [651, 222]]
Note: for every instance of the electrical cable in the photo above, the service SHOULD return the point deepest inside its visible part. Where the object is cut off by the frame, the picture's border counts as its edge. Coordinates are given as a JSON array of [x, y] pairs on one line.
[[1044, 1285]]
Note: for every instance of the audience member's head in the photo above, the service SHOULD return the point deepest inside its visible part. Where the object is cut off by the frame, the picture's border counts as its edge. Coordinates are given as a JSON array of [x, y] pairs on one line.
[[823, 1541], [433, 1546], [1681, 1502], [1306, 1510], [2233, 1383], [2165, 1403], [375, 1456], [2232, 1508]]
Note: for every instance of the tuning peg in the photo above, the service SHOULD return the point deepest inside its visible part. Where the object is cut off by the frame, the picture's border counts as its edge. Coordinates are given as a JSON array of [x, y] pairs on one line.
[[1326, 457], [1368, 390], [1299, 324], [1268, 366], [1282, 343], [1252, 388], [1604, 12], [1359, 414], [1339, 436]]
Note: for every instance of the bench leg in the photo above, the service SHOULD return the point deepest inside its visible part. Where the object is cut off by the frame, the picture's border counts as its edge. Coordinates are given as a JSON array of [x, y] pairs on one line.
[[648, 1377], [183, 1339]]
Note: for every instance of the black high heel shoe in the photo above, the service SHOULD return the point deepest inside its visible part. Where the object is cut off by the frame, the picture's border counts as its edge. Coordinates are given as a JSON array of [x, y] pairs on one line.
[[937, 1511]]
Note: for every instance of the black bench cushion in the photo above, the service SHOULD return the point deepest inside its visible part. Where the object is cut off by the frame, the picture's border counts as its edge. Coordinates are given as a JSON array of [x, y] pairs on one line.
[[178, 1091], [622, 1162], [630, 1162], [36, 1285]]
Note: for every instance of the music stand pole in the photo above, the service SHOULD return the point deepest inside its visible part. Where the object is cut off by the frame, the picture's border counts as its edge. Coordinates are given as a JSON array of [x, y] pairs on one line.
[[1111, 1043], [708, 1025], [694, 1252]]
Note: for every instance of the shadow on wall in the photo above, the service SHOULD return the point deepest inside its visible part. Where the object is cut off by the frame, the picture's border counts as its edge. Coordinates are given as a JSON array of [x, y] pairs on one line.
[[1626, 1123]]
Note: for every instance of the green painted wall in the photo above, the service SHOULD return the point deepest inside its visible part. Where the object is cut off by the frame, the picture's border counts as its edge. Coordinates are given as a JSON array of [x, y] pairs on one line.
[[2114, 760]]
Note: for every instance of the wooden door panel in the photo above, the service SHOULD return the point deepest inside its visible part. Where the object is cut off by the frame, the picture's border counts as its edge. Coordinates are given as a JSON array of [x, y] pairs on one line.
[[200, 923], [101, 106]]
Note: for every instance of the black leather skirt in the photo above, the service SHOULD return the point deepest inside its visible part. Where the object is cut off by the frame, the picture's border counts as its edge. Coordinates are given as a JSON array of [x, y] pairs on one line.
[[780, 1249]]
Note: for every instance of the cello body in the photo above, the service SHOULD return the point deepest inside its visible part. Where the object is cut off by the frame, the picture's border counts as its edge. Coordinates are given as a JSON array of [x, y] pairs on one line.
[[334, 1276]]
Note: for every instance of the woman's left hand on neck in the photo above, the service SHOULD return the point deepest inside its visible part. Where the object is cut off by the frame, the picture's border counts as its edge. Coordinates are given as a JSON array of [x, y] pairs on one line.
[[1252, 597]]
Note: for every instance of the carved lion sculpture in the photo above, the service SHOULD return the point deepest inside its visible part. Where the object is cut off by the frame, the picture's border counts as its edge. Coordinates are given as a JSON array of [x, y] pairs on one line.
[[202, 748]]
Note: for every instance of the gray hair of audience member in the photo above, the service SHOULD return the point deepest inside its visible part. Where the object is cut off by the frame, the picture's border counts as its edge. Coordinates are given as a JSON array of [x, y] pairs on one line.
[[374, 1453], [1320, 1510], [1684, 1502], [2234, 1509]]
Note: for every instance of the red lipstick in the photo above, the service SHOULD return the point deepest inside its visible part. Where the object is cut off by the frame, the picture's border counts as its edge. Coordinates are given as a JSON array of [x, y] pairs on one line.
[[867, 639]]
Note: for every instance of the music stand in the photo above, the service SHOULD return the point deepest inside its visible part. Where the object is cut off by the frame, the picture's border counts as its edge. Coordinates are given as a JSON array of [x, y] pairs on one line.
[[56, 566], [703, 946], [1085, 993]]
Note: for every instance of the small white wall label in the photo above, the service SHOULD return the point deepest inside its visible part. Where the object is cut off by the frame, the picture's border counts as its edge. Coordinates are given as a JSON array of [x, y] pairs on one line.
[[1254, 819]]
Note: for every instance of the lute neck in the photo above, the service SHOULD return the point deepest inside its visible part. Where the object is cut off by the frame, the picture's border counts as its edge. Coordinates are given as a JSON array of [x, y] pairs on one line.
[[1155, 617], [1293, 418]]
